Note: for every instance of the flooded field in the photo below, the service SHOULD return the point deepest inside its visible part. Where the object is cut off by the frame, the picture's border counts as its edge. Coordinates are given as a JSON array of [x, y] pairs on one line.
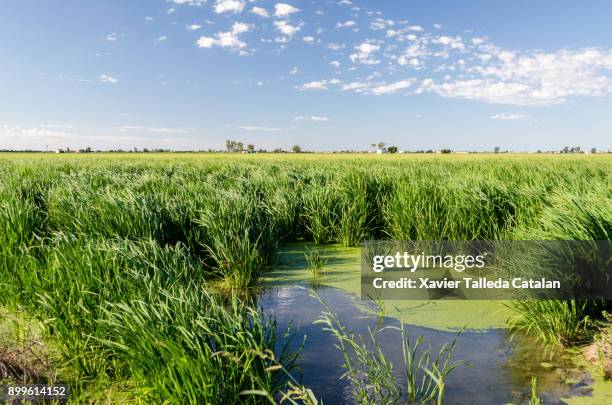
[[499, 366]]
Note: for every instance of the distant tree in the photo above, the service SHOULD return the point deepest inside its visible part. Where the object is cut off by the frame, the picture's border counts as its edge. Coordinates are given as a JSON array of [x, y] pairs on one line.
[[251, 148], [381, 145], [593, 150], [296, 149], [446, 151], [278, 150], [565, 150], [234, 146], [392, 149], [88, 149], [496, 150]]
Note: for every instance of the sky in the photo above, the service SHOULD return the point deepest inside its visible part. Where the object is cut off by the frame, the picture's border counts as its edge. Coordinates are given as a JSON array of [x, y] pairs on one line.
[[327, 75]]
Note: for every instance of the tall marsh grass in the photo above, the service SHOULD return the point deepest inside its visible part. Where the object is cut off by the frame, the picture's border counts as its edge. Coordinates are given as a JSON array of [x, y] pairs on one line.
[[371, 373], [114, 254], [583, 217]]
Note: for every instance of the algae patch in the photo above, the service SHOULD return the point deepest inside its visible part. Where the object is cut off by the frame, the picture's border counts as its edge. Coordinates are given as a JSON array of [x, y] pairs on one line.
[[342, 270]]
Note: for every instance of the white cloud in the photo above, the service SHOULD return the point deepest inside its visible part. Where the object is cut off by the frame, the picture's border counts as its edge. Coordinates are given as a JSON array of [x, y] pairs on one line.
[[283, 10], [381, 24], [411, 55], [255, 128], [20, 137], [225, 6], [346, 24], [377, 88], [228, 39], [153, 130], [390, 88], [335, 64], [193, 27], [262, 12], [162, 38], [114, 36], [478, 40], [308, 40], [451, 42], [240, 28], [188, 2], [285, 28], [354, 86], [510, 117], [56, 126], [294, 71], [406, 61], [18, 131], [314, 85], [106, 78], [534, 78], [364, 56], [313, 118], [318, 84], [335, 46], [206, 42]]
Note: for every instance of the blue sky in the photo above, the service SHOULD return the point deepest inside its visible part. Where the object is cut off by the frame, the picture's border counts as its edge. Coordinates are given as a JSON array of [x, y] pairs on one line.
[[189, 74]]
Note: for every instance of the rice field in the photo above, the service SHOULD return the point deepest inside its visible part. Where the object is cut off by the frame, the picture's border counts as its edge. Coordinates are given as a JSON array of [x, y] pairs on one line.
[[139, 270]]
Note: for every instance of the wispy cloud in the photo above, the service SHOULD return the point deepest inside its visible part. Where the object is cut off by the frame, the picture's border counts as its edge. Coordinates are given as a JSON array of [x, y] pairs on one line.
[[318, 84], [107, 78], [194, 27], [188, 2], [313, 118], [153, 130], [39, 137], [510, 117], [114, 36], [346, 24], [255, 128]]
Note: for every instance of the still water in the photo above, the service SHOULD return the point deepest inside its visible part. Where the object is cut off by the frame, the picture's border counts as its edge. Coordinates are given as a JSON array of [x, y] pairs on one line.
[[499, 371]]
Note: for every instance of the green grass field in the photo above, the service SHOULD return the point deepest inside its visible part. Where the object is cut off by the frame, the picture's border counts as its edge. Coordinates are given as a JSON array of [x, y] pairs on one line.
[[121, 256]]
